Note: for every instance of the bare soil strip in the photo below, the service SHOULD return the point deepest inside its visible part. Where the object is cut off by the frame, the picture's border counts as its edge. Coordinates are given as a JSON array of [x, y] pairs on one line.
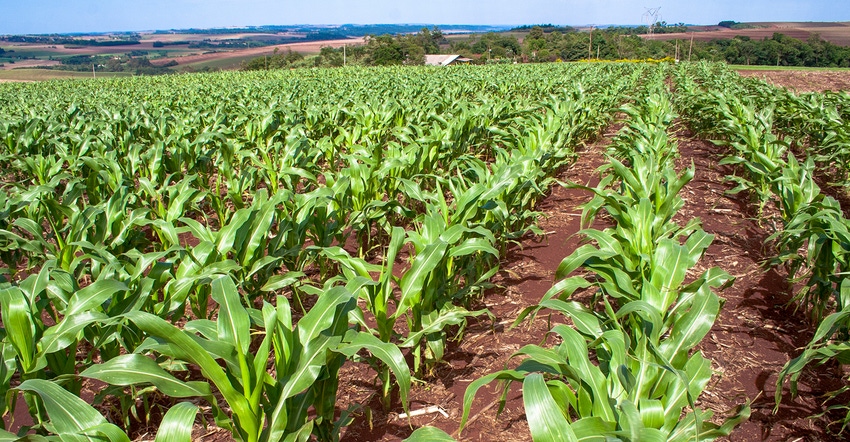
[[756, 332], [804, 81]]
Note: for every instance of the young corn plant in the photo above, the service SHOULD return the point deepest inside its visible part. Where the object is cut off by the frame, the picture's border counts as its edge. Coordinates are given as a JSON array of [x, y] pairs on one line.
[[451, 263], [270, 371], [380, 299], [49, 352]]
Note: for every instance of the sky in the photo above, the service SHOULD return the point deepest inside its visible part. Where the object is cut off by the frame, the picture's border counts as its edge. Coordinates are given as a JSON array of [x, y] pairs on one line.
[[60, 16]]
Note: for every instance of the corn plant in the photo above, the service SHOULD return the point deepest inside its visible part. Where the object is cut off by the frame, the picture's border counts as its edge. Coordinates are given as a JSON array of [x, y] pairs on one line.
[[304, 357]]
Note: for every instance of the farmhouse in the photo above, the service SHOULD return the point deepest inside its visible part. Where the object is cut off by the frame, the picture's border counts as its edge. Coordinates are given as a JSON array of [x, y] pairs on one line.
[[445, 59]]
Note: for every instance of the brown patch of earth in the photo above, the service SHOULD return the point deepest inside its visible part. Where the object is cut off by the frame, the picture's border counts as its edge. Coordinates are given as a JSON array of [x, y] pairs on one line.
[[834, 32], [29, 64], [804, 81], [312, 47], [757, 331]]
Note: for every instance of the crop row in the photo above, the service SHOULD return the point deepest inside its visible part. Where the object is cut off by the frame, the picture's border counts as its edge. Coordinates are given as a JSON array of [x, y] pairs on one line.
[[625, 370], [812, 236]]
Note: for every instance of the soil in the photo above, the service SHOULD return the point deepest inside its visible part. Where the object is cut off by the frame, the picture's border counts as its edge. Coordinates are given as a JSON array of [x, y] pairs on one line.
[[804, 81], [20, 64]]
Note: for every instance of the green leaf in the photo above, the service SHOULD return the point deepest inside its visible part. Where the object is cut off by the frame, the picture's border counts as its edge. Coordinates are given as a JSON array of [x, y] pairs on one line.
[[234, 324], [414, 279], [323, 313], [176, 425], [310, 363], [60, 336], [68, 413], [429, 434], [545, 419], [18, 323], [669, 267], [593, 429], [93, 296], [469, 394], [133, 369], [183, 346], [387, 353]]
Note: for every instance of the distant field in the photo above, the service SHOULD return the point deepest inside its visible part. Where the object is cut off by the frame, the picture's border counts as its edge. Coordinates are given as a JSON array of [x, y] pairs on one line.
[[227, 61], [30, 51], [836, 33], [743, 67], [48, 74], [801, 79], [23, 64], [232, 59]]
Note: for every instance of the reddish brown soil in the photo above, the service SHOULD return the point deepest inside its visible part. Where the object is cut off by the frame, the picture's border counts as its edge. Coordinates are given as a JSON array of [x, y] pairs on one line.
[[756, 332], [20, 64], [804, 81]]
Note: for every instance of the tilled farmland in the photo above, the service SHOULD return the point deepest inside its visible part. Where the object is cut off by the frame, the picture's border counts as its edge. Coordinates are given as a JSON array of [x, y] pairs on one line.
[[612, 251]]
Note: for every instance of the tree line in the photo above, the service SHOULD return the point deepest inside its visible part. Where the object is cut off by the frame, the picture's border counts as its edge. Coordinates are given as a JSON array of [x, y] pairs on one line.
[[624, 43], [379, 50], [550, 43]]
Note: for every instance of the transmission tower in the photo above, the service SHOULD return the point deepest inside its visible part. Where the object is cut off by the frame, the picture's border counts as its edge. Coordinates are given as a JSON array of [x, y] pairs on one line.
[[651, 17]]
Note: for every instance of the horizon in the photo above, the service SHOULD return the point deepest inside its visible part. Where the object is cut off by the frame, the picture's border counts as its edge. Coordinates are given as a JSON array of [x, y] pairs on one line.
[[504, 26], [90, 16]]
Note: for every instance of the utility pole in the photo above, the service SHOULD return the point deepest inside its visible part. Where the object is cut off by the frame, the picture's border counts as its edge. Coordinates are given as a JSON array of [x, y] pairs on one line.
[[691, 47], [677, 50], [590, 45], [343, 55], [92, 71]]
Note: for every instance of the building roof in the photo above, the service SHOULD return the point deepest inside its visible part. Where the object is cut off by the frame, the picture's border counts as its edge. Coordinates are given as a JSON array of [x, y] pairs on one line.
[[440, 59]]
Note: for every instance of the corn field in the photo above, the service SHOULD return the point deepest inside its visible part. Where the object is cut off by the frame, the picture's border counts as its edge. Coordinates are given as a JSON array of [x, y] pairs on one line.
[[219, 246]]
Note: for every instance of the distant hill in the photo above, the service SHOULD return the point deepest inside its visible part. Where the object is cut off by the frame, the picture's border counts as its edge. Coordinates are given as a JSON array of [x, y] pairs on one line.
[[834, 32], [341, 31]]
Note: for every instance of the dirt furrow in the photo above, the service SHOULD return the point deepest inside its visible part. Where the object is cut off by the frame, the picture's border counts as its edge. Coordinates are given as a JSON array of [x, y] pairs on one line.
[[527, 272], [757, 332]]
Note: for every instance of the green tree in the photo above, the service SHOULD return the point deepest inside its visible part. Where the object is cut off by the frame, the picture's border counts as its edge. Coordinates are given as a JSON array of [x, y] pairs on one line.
[[330, 57], [384, 50], [535, 42]]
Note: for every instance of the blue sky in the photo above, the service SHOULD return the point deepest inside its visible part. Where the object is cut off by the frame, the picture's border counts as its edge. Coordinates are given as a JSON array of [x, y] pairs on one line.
[[47, 16]]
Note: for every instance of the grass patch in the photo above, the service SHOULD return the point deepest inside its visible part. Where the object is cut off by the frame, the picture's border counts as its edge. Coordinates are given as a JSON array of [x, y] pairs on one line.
[[28, 52], [226, 63], [50, 74]]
